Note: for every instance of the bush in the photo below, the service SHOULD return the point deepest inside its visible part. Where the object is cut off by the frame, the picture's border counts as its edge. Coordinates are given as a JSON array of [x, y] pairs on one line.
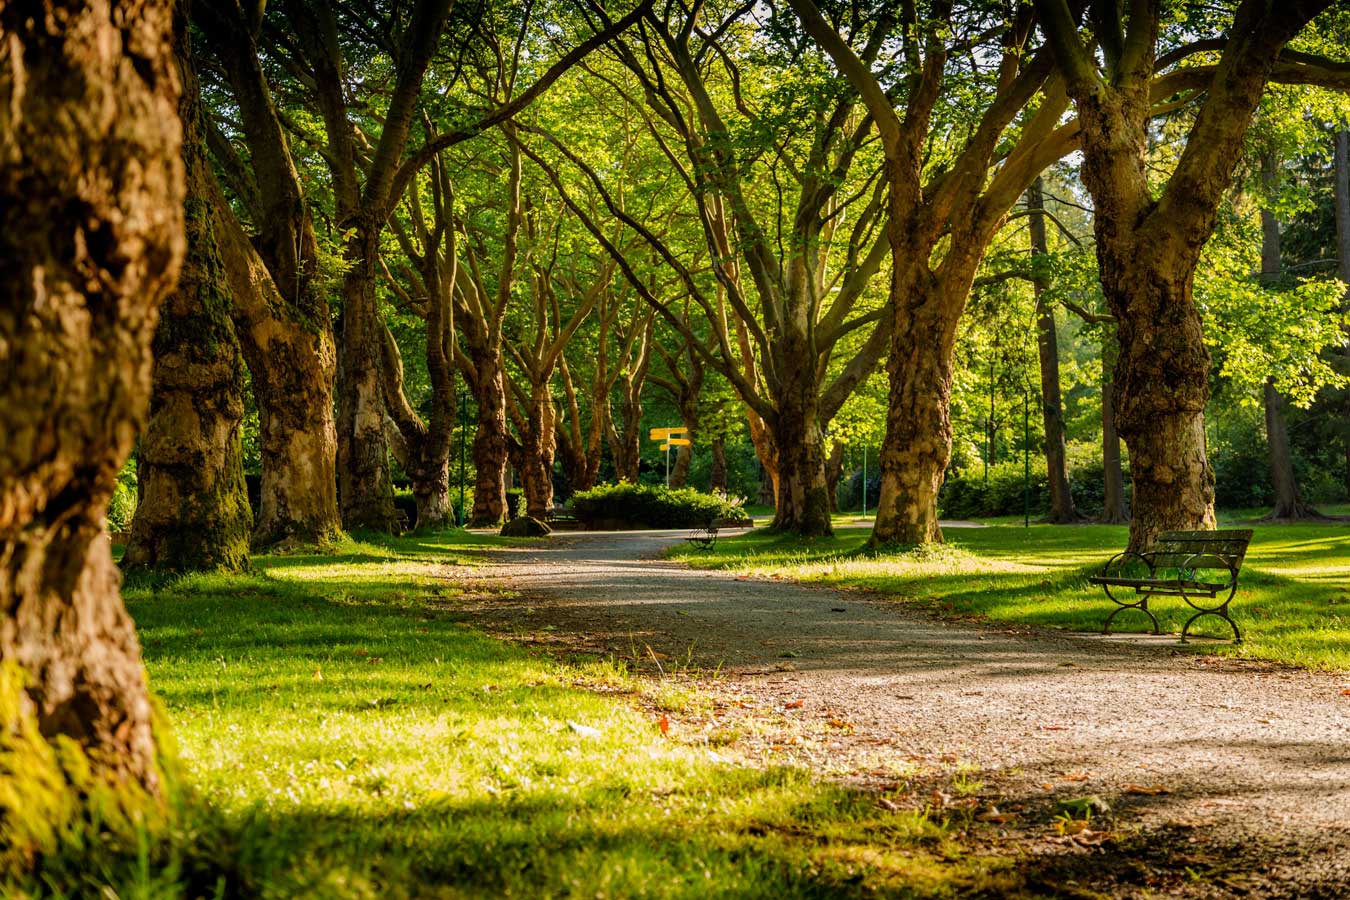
[[967, 494], [641, 505]]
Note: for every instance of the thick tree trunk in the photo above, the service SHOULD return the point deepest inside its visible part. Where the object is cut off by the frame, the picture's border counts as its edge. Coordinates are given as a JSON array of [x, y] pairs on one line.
[[292, 361], [91, 239], [489, 447], [365, 492], [537, 449], [280, 318], [717, 478], [1052, 404], [802, 505], [1115, 511], [193, 511]]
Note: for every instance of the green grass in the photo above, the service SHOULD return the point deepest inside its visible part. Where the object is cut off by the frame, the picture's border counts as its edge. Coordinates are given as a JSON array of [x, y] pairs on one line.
[[1293, 600], [345, 732]]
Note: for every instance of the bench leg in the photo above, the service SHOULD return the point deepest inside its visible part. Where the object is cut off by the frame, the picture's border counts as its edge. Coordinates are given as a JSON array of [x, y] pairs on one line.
[[1142, 606], [1222, 613]]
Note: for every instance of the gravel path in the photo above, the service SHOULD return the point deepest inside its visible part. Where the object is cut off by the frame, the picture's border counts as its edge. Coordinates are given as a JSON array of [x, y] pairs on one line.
[[1255, 757]]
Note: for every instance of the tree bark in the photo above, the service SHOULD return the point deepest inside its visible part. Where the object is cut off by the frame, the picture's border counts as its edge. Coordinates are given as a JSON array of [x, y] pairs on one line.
[[91, 240], [802, 505], [1047, 342], [193, 512], [1148, 245], [1115, 510], [834, 467], [537, 444], [280, 317], [489, 444], [717, 478]]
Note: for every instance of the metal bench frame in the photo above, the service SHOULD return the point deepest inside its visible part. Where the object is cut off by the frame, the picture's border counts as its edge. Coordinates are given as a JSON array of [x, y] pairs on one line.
[[1175, 561], [704, 537]]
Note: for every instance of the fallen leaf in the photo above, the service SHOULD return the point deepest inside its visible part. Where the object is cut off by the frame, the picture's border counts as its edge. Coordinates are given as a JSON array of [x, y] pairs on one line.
[[795, 704], [360, 651], [1345, 692], [837, 609], [318, 673], [992, 814], [788, 654], [1054, 728], [664, 724], [1147, 789], [840, 723], [939, 799], [1077, 776]]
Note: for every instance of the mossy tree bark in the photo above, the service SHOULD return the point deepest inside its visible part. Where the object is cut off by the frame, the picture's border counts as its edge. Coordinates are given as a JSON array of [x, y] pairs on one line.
[[1115, 509], [193, 513], [281, 316], [91, 239], [1147, 247]]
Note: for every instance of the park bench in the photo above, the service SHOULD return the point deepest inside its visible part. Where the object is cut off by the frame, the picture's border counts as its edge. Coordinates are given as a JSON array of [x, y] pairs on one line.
[[704, 536], [1183, 564]]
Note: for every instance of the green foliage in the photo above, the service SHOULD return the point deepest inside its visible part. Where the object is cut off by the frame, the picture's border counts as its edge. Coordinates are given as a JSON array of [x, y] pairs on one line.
[[651, 506], [122, 506], [968, 494]]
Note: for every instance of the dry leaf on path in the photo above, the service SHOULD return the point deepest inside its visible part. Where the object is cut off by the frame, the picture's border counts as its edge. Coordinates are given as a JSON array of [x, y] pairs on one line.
[[1147, 789]]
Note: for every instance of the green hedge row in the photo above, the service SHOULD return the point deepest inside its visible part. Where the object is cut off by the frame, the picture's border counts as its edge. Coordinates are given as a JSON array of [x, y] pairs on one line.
[[642, 505]]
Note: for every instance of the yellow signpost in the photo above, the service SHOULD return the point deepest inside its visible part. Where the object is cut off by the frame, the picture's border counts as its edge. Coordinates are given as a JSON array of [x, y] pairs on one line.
[[668, 438]]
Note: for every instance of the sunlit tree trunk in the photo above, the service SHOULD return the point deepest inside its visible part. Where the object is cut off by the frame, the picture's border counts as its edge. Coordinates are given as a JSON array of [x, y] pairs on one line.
[[1115, 511], [91, 239], [193, 511]]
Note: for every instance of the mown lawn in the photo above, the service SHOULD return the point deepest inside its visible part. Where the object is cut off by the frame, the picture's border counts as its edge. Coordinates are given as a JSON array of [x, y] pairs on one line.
[[345, 732], [1293, 600]]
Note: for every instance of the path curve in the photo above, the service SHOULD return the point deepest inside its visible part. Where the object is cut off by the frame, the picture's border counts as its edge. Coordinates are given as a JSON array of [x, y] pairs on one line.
[[1260, 748]]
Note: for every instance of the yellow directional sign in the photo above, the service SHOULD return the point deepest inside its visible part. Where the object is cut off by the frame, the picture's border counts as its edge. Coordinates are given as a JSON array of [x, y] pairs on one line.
[[665, 447], [680, 442], [660, 434]]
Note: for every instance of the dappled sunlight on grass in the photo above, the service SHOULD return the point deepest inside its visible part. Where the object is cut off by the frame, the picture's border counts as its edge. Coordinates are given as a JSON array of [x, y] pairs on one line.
[[1293, 600], [347, 733]]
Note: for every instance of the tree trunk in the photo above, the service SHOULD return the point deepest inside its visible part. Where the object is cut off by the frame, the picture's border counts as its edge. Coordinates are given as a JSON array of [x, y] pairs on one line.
[[91, 239], [1115, 511], [280, 317], [365, 492], [489, 446], [537, 449], [1342, 203], [292, 360], [193, 512], [834, 467], [717, 479], [1052, 404]]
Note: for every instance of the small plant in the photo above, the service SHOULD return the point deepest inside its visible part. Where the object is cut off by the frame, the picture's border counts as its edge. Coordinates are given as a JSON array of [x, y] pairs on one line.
[[641, 505]]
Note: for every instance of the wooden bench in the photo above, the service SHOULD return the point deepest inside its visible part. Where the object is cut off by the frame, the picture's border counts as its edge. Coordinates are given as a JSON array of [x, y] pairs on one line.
[[1179, 564], [704, 537]]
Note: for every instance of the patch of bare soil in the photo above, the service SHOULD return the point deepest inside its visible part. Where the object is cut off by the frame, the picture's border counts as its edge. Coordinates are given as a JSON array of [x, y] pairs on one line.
[[1105, 769]]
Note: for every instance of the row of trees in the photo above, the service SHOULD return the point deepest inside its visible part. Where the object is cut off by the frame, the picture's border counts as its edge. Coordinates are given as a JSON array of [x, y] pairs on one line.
[[559, 204]]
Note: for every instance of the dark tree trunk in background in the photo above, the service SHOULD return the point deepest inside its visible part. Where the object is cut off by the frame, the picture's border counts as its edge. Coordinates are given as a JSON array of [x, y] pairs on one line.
[[1052, 403], [1342, 201], [1115, 510], [717, 479], [537, 446], [834, 467], [489, 445], [193, 511], [1288, 502], [91, 239]]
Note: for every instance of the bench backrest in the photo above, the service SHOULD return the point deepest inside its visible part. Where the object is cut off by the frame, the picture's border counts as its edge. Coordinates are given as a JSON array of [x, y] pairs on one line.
[[1173, 548]]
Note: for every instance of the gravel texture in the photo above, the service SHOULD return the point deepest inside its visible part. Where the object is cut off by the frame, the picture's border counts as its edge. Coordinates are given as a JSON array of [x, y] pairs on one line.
[[1223, 778]]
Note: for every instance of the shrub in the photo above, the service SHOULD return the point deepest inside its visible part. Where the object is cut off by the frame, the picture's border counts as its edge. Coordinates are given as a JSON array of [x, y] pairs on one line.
[[642, 505]]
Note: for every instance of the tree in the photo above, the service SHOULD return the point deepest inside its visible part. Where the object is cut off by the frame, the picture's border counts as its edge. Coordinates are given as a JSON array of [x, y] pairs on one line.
[[91, 239], [1148, 245], [280, 311], [193, 512]]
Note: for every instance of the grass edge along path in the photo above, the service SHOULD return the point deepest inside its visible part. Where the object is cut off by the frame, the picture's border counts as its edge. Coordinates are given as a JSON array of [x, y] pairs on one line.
[[344, 731], [1292, 603]]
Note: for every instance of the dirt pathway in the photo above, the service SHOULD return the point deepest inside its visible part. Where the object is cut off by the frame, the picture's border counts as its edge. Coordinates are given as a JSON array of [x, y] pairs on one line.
[[1243, 769]]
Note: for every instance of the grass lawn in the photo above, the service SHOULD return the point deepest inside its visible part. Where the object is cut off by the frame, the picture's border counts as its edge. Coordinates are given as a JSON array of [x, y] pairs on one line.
[[1292, 604], [345, 732]]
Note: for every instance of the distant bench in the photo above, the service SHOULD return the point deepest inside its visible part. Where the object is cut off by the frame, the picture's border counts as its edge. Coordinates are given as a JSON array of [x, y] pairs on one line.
[[1181, 564], [704, 536]]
